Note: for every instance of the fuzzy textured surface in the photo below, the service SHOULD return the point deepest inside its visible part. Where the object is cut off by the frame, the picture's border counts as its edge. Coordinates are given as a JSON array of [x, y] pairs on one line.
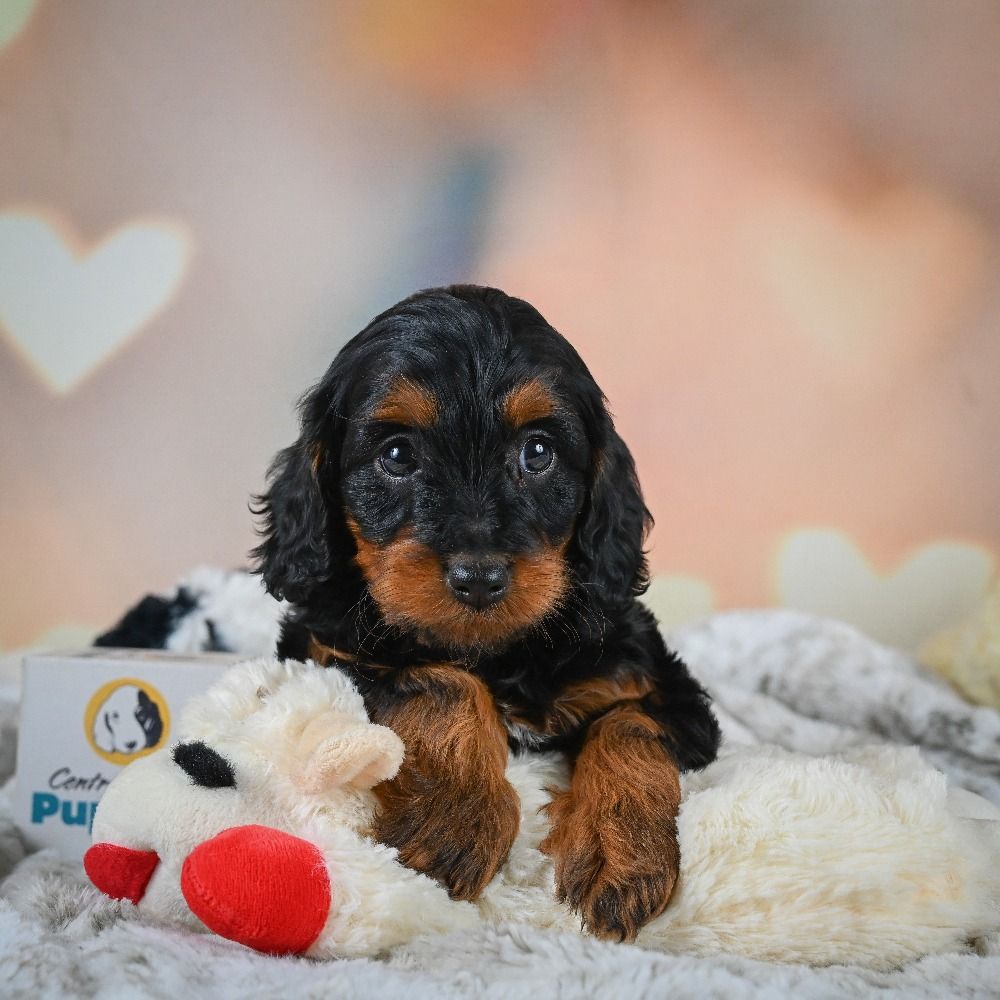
[[779, 678]]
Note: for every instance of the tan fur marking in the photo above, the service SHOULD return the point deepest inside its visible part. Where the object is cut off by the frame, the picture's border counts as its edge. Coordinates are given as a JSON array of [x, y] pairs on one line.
[[407, 403], [449, 811], [586, 699], [324, 655], [321, 655], [527, 402], [614, 832], [407, 582]]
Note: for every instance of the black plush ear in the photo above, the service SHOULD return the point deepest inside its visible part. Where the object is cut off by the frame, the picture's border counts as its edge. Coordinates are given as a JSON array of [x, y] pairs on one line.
[[613, 524], [298, 512]]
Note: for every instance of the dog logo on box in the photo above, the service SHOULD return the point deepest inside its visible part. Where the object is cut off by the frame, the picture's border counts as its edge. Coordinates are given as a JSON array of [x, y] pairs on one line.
[[126, 719]]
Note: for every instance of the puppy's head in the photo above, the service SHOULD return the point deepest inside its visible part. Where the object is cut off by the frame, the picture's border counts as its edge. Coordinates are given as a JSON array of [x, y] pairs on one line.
[[460, 456]]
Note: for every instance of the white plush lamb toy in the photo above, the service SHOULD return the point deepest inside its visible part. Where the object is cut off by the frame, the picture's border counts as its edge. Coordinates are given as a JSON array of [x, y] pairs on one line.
[[253, 825]]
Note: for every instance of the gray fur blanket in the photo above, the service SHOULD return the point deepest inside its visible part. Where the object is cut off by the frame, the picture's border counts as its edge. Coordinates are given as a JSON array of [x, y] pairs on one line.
[[777, 677]]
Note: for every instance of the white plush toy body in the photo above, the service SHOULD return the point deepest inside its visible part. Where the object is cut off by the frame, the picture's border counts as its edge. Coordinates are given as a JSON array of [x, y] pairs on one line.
[[865, 858]]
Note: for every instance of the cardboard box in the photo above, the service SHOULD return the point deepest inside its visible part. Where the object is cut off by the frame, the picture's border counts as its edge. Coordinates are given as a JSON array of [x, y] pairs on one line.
[[84, 716]]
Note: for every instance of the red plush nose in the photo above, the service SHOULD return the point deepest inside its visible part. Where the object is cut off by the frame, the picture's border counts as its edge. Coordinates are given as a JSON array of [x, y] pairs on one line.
[[120, 872], [259, 886]]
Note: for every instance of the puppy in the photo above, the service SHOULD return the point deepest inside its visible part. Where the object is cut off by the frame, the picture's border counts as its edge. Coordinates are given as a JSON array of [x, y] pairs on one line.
[[460, 527]]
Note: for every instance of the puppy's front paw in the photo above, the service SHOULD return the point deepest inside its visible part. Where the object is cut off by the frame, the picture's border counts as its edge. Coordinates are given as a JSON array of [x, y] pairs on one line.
[[617, 871], [456, 834]]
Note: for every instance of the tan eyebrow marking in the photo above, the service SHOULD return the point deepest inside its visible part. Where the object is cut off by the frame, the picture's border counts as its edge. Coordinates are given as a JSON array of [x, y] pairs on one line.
[[526, 402], [408, 403]]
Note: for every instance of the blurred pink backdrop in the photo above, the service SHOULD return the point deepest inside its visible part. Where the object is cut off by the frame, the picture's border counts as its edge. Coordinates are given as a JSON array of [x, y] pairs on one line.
[[771, 230]]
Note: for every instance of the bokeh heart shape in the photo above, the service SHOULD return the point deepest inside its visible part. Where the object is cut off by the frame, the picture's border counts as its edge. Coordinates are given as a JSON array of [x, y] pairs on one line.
[[678, 600], [68, 309], [825, 573]]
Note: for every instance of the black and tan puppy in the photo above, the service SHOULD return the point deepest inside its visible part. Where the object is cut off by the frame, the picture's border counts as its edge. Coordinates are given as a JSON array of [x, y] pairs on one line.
[[461, 528]]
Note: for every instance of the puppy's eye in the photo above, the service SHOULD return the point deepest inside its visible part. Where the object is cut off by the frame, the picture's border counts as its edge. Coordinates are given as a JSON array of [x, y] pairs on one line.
[[536, 455], [398, 460]]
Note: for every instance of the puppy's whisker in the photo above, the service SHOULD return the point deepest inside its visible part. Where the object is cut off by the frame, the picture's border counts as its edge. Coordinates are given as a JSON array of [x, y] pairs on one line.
[[357, 608], [545, 632], [590, 612]]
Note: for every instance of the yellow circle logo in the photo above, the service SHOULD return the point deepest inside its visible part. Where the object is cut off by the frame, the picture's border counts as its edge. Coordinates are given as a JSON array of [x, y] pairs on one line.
[[126, 719]]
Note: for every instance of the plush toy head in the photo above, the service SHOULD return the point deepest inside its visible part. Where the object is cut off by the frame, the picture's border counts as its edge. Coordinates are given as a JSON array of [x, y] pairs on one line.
[[273, 750]]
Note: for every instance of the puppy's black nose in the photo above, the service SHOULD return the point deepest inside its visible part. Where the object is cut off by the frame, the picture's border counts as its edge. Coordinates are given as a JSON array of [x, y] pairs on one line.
[[478, 583]]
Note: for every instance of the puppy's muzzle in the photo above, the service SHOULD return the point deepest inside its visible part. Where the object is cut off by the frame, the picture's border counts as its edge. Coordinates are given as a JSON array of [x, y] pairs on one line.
[[478, 583]]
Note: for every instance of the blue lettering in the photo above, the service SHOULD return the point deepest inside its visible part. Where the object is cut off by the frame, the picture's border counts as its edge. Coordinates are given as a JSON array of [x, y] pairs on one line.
[[43, 805], [78, 818], [74, 812]]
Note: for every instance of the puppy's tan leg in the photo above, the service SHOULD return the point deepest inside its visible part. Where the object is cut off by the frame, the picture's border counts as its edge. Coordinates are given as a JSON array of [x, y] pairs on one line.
[[450, 811], [614, 832]]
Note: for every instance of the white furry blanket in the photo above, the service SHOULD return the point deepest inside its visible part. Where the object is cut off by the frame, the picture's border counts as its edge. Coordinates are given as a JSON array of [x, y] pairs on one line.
[[778, 677]]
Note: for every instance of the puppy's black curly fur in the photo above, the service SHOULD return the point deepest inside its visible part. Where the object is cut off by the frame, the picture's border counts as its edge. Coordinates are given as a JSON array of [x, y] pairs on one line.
[[459, 437]]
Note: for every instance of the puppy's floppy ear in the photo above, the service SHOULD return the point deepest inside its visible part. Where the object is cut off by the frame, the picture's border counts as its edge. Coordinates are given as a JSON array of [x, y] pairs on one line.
[[300, 530], [613, 524]]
